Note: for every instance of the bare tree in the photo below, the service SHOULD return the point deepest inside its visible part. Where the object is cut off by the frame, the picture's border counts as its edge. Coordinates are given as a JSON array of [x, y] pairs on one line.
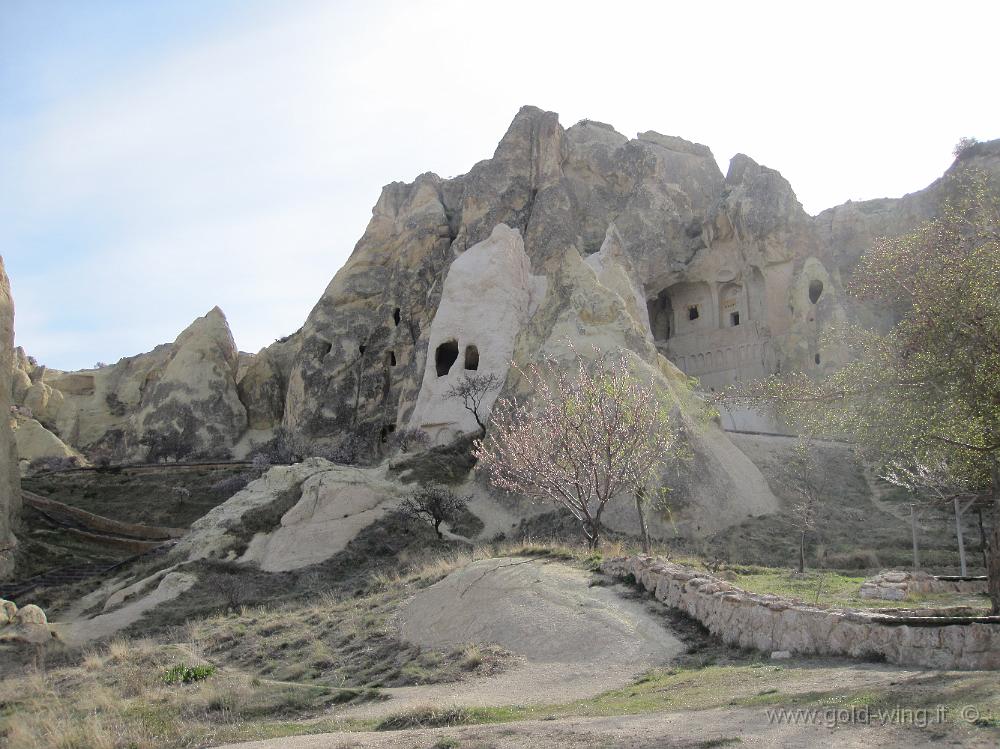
[[938, 486], [433, 504], [590, 432], [472, 390], [805, 476]]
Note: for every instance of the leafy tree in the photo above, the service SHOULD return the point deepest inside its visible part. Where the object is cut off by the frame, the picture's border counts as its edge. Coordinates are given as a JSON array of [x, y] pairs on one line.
[[433, 504], [588, 433], [927, 390]]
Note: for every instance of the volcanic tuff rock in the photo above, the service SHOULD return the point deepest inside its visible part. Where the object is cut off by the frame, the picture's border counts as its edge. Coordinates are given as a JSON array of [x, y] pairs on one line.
[[640, 243], [178, 398], [10, 482]]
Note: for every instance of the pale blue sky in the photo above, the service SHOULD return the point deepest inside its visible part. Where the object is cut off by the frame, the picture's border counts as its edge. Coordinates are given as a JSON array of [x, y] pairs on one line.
[[160, 158]]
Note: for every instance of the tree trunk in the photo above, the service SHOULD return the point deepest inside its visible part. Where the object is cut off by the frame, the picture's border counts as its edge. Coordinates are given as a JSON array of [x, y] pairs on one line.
[[961, 540], [983, 545], [594, 535], [591, 531], [802, 551], [640, 507], [913, 529], [993, 568]]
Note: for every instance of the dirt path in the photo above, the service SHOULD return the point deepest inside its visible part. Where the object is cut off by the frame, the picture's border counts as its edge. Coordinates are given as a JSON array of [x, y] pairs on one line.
[[573, 640], [690, 730]]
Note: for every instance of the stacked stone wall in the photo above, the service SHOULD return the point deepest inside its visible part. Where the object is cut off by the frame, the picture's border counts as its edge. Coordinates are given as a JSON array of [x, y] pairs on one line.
[[770, 623]]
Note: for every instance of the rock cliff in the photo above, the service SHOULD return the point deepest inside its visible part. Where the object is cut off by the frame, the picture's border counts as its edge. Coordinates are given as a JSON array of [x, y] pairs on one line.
[[10, 484], [577, 234]]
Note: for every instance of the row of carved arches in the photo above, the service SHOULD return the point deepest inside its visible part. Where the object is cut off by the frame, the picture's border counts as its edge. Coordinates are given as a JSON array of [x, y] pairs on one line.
[[732, 357]]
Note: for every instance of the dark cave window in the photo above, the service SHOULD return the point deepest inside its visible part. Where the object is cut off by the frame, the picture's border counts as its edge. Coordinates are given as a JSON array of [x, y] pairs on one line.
[[693, 313], [387, 429], [391, 358], [471, 357], [324, 349], [445, 356], [734, 318], [817, 358], [815, 291], [395, 316], [361, 349]]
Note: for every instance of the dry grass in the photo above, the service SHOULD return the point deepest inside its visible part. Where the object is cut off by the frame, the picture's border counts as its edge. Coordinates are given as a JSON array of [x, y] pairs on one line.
[[275, 666], [117, 697]]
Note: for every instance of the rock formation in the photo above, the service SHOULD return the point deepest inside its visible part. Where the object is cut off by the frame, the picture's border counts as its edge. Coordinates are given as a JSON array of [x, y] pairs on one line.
[[10, 483], [572, 234], [179, 400]]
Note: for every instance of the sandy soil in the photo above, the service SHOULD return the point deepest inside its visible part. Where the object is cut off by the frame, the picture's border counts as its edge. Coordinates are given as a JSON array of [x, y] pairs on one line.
[[701, 729], [546, 613]]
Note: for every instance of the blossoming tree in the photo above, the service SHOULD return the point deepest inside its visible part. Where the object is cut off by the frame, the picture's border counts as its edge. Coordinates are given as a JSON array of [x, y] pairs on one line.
[[587, 433]]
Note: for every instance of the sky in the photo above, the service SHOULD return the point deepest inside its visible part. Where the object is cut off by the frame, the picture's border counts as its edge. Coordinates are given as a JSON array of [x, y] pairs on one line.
[[162, 157]]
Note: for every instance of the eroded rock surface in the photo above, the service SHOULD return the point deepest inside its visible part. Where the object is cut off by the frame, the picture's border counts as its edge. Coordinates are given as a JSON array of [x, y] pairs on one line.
[[10, 482], [641, 244]]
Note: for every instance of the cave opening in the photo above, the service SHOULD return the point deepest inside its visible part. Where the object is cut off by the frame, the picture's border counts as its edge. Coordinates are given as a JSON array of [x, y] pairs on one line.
[[445, 355], [693, 312], [471, 357], [734, 319], [661, 316], [395, 316], [815, 290], [391, 358]]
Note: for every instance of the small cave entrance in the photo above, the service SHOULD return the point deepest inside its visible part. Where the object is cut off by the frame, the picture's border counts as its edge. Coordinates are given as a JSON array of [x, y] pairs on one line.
[[815, 290], [661, 316], [387, 430], [693, 312], [395, 316], [390, 358], [445, 355], [471, 357]]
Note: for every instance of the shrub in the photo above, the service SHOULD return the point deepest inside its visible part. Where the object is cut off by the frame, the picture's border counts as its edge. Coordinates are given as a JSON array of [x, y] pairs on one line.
[[427, 717], [52, 464], [404, 440], [227, 487], [964, 146], [184, 674]]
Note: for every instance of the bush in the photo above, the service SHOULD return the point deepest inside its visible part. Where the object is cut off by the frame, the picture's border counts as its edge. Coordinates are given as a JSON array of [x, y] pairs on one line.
[[184, 674], [52, 464], [964, 146], [427, 717], [227, 487], [405, 440]]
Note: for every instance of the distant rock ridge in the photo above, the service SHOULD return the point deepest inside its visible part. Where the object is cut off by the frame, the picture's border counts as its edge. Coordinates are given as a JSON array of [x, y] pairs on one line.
[[641, 244]]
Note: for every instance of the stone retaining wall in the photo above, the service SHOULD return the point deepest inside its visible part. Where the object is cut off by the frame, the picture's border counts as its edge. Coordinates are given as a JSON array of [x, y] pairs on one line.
[[897, 585], [770, 623]]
